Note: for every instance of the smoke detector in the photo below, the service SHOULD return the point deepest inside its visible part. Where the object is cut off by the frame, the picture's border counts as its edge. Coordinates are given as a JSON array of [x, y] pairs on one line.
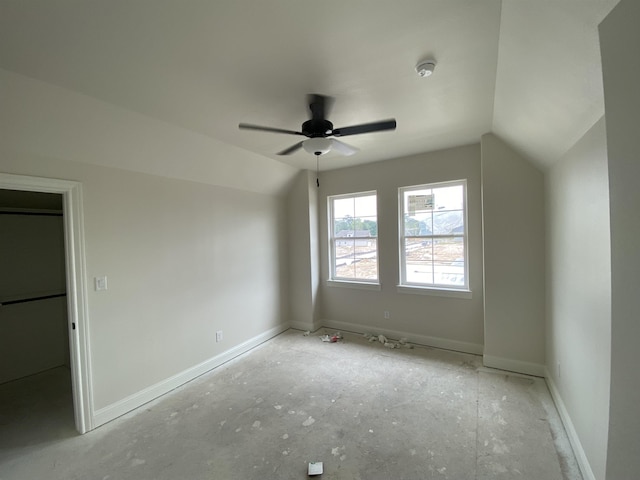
[[426, 68]]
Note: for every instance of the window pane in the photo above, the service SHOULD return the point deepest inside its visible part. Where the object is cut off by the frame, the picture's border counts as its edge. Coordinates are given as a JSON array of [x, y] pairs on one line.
[[411, 226], [418, 225], [365, 206], [448, 198], [418, 203], [343, 207], [418, 261], [343, 227], [354, 233], [368, 226], [366, 259], [345, 258], [448, 261], [437, 214], [448, 222]]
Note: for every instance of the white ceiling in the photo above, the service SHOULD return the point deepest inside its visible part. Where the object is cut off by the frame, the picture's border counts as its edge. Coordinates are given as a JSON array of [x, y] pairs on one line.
[[528, 70]]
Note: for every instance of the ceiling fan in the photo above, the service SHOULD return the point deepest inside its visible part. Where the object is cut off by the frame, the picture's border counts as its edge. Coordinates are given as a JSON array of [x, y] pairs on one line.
[[320, 132]]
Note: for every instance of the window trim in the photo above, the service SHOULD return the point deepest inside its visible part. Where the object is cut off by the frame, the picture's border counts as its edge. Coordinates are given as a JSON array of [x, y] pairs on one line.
[[405, 286], [435, 292], [333, 280], [354, 284]]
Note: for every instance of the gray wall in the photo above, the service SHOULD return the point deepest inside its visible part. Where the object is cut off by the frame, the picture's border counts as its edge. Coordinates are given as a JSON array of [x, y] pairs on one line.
[[513, 236], [33, 336], [183, 258], [302, 201], [32, 259], [619, 40], [442, 321], [578, 339]]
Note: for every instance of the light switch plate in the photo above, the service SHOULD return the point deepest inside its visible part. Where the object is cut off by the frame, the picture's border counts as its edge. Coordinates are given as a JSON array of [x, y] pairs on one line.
[[100, 283]]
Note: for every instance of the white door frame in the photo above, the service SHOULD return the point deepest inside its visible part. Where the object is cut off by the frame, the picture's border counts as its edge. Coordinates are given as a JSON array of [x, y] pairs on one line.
[[76, 286]]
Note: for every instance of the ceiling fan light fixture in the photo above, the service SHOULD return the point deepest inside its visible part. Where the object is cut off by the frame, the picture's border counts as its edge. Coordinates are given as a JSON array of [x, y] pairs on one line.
[[317, 145], [426, 68]]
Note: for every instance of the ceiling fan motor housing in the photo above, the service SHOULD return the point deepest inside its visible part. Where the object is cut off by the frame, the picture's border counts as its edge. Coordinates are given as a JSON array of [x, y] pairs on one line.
[[317, 128]]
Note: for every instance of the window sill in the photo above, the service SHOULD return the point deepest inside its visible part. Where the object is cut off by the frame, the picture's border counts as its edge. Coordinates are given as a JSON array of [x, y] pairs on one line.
[[437, 292], [356, 285]]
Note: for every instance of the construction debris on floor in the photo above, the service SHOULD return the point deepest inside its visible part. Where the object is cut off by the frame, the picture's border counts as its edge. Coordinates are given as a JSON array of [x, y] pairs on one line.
[[421, 414], [402, 343], [315, 468], [337, 336], [331, 338]]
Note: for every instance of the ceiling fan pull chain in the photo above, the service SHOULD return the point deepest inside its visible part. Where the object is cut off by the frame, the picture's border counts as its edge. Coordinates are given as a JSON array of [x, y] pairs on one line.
[[317, 170]]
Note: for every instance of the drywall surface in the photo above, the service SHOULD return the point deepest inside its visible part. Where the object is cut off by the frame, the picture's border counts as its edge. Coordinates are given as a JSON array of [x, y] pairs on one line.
[[32, 259], [303, 251], [33, 338], [50, 121], [33, 335], [183, 259], [579, 290], [314, 244], [514, 283], [545, 114], [619, 40], [445, 321]]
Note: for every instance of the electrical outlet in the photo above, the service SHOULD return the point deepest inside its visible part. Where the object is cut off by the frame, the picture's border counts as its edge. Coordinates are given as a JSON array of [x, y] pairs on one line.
[[219, 336], [387, 315]]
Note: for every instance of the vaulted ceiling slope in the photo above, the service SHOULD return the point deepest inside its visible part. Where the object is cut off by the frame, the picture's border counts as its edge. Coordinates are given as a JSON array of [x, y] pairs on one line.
[[527, 70]]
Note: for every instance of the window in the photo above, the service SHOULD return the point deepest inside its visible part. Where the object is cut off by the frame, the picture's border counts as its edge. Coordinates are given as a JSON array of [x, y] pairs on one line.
[[353, 237], [433, 237]]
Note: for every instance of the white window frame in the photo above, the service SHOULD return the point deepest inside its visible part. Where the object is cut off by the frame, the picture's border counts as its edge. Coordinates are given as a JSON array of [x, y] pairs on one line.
[[432, 288], [334, 280]]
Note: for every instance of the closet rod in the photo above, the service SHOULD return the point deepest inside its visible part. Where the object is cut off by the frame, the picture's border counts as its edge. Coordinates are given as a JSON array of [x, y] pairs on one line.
[[34, 214], [32, 299]]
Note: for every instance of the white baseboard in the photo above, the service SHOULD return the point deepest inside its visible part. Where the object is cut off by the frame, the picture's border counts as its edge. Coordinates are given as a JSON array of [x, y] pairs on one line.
[[119, 408], [437, 342], [304, 326], [578, 451], [518, 366]]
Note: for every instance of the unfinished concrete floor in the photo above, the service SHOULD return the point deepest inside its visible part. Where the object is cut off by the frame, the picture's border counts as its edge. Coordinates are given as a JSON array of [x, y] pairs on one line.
[[366, 411]]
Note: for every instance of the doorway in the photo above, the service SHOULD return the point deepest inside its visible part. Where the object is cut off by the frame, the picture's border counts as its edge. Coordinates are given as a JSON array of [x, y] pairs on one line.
[[66, 292], [35, 370]]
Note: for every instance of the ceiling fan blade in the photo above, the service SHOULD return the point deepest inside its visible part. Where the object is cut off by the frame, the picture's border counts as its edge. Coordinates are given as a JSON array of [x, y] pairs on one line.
[[365, 128], [248, 126], [291, 149], [320, 106], [342, 148]]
